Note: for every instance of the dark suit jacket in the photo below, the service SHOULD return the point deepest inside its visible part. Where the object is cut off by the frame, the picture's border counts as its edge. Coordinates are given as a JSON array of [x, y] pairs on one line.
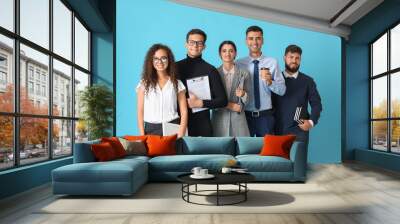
[[300, 92]]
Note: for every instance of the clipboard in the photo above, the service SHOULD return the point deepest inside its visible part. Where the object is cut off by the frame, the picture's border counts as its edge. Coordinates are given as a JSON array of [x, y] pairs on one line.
[[199, 86]]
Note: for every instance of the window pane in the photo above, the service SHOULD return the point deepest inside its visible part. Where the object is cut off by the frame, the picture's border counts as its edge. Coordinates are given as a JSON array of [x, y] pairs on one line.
[[379, 55], [6, 74], [6, 142], [81, 131], [7, 14], [81, 81], [62, 29], [33, 140], [34, 97], [379, 135], [395, 136], [81, 45], [379, 97], [35, 21], [62, 89], [62, 138], [395, 47], [395, 94]]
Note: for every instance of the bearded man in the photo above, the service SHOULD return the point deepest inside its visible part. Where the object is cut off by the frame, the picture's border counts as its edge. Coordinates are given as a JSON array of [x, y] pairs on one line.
[[292, 115]]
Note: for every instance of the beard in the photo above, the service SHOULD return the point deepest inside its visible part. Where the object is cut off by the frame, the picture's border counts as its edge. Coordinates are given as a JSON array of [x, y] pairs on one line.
[[292, 69]]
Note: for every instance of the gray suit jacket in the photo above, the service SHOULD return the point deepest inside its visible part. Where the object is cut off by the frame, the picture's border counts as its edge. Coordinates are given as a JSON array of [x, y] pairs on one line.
[[226, 122]]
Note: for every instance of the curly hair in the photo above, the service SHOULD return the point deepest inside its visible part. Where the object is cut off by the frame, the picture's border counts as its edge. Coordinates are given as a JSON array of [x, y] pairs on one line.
[[149, 73]]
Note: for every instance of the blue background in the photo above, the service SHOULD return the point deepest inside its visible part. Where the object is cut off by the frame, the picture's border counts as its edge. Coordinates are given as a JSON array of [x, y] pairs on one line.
[[141, 24]]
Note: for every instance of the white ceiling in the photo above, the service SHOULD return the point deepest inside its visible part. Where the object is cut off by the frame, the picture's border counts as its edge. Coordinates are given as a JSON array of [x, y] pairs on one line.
[[328, 16]]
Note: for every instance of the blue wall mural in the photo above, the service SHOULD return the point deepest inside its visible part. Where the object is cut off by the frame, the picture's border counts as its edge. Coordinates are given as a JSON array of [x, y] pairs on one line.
[[141, 24]]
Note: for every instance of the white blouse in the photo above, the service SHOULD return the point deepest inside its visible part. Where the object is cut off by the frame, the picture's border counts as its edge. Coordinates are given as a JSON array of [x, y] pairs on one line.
[[160, 105]]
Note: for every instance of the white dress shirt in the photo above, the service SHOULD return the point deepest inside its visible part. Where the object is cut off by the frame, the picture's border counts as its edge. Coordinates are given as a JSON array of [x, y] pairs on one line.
[[294, 75], [160, 105]]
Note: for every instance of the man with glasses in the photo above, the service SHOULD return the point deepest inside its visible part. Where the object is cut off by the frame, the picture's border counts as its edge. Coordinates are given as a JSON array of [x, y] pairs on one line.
[[193, 66], [266, 79]]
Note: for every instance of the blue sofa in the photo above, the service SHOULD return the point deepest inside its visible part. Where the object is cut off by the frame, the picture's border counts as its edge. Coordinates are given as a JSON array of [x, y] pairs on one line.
[[125, 176]]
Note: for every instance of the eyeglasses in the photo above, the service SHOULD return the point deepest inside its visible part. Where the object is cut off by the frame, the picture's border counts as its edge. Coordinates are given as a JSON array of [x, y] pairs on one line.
[[196, 43], [163, 59]]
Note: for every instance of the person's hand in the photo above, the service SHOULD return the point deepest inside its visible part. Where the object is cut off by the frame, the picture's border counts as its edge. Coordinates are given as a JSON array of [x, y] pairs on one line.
[[194, 102], [306, 125], [266, 76], [180, 135], [240, 92], [234, 107]]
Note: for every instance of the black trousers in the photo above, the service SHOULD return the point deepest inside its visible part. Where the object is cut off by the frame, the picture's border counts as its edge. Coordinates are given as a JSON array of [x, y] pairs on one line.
[[156, 128], [199, 124]]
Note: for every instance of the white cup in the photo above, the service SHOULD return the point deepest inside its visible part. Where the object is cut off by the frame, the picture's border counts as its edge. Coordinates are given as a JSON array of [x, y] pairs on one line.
[[196, 170], [226, 170], [203, 172]]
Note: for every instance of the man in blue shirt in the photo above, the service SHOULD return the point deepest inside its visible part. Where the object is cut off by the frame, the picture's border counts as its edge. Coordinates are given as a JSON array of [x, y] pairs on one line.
[[266, 79]]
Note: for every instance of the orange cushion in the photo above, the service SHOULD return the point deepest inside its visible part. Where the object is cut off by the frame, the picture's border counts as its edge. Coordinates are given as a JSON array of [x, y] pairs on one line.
[[277, 145], [135, 138], [161, 145], [116, 145], [103, 151]]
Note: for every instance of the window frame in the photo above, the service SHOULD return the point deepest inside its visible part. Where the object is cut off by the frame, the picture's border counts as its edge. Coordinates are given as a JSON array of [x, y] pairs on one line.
[[16, 114], [388, 74]]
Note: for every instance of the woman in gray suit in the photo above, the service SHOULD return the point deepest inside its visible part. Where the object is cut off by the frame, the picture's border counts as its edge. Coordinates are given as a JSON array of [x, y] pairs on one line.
[[231, 120]]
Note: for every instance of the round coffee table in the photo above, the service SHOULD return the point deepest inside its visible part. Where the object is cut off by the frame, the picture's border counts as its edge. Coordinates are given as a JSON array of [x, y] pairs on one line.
[[238, 179]]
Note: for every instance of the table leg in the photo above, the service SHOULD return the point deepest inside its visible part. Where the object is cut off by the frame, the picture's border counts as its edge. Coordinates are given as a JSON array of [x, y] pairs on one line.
[[245, 191], [217, 194], [188, 190]]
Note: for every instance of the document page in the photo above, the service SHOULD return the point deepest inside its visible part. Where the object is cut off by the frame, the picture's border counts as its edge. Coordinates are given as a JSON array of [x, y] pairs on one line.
[[200, 87]]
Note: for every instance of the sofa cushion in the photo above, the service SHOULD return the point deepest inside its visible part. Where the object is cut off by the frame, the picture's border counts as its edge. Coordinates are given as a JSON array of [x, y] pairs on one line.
[[132, 158], [257, 163], [137, 147], [111, 171], [103, 151], [249, 145], [208, 145], [135, 138], [185, 163], [161, 145], [116, 145], [277, 145], [83, 152]]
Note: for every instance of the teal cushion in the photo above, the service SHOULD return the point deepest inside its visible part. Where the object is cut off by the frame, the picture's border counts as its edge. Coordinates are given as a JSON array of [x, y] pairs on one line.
[[83, 152], [111, 171], [257, 163], [133, 158], [208, 145], [249, 145], [185, 163]]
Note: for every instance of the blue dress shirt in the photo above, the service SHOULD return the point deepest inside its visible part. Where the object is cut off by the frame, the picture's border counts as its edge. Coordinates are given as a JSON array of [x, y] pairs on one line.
[[277, 86]]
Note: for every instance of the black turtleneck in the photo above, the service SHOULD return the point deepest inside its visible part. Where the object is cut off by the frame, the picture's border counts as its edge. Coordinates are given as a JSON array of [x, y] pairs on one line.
[[199, 123]]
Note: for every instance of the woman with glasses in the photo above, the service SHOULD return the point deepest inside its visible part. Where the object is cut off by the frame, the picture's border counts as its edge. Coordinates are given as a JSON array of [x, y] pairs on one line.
[[159, 93], [231, 120]]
